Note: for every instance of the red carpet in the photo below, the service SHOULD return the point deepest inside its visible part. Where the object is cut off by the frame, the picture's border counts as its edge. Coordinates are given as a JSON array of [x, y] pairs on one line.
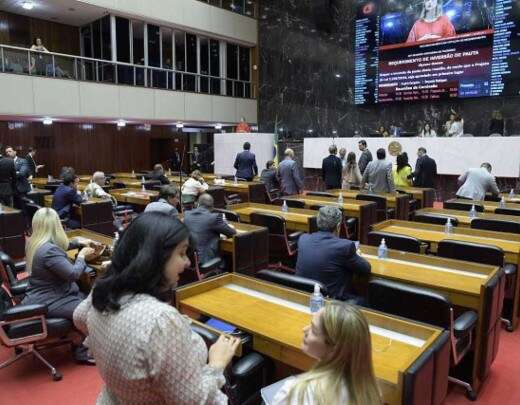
[[28, 382]]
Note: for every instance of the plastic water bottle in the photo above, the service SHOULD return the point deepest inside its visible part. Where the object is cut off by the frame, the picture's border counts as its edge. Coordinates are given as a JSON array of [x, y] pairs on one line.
[[115, 241], [143, 188], [512, 193], [285, 207], [133, 173], [448, 228], [235, 180], [502, 203], [382, 250], [317, 301], [473, 212], [49, 178], [340, 199], [142, 179], [370, 190], [1, 208]]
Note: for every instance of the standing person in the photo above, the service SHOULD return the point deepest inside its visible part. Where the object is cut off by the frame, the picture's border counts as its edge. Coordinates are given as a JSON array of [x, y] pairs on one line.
[[379, 174], [365, 157], [454, 127], [175, 161], [351, 174], [195, 158], [22, 178], [66, 197], [243, 126], [402, 171], [38, 60], [7, 180], [342, 153], [289, 174], [425, 170], [245, 163], [144, 348], [496, 125], [34, 168], [331, 169], [268, 176], [477, 182], [427, 131]]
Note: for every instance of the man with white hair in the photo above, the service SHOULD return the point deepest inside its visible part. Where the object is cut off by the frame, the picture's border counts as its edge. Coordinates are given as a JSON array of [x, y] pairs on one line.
[[324, 257], [289, 175], [95, 188]]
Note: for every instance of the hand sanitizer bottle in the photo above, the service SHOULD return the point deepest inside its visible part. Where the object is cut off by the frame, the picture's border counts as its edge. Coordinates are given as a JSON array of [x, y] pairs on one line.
[[382, 250], [317, 301], [340, 198], [285, 208], [512, 193], [502, 203], [473, 212], [448, 228], [235, 180]]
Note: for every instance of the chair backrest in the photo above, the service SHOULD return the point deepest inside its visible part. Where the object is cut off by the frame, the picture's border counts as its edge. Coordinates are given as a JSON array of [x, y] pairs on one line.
[[321, 194], [508, 211], [8, 268], [274, 223], [491, 197], [295, 203], [452, 205], [379, 200], [435, 219], [291, 281], [394, 241], [496, 225], [30, 210], [472, 252], [230, 215], [410, 302], [219, 196]]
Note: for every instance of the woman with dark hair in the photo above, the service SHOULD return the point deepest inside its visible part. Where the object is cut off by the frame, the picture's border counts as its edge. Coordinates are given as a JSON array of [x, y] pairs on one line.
[[351, 173], [402, 171], [144, 348]]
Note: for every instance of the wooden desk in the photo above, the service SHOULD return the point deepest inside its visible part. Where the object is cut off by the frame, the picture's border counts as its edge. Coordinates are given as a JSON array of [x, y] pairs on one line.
[[489, 206], [364, 211], [508, 242], [12, 232], [129, 183], [38, 194], [138, 198], [275, 317], [424, 196], [296, 219], [40, 182], [393, 200], [464, 218], [127, 175]]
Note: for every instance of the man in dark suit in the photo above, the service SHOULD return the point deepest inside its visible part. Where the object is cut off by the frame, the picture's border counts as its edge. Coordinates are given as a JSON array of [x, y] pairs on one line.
[[324, 257], [7, 180], [175, 161], [65, 197], [245, 163], [331, 169], [158, 174], [34, 168], [425, 170], [205, 227], [268, 176], [23, 172], [366, 156]]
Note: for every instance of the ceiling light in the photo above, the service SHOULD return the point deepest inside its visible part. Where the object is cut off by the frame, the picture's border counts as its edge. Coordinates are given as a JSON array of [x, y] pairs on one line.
[[121, 123], [310, 131], [334, 132], [47, 121], [218, 126], [28, 5], [179, 125], [338, 76]]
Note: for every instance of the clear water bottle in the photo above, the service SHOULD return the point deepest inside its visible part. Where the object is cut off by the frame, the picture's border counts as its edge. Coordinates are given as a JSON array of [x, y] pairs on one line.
[[340, 199], [370, 189], [115, 241], [473, 212], [133, 173], [235, 180], [448, 228], [382, 250], [1, 208], [285, 207], [502, 203], [49, 178], [317, 301], [143, 188], [142, 180], [512, 193]]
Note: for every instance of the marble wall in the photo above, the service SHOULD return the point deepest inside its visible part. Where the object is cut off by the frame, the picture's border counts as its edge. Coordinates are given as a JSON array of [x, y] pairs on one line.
[[306, 80]]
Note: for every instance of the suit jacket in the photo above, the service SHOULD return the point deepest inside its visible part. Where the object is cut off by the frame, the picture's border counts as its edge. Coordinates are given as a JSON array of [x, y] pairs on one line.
[[364, 159], [205, 228], [63, 200], [23, 171], [53, 278], [32, 165], [245, 163], [161, 177], [476, 183], [324, 257], [268, 177], [7, 177], [379, 174], [289, 177], [331, 169], [425, 172]]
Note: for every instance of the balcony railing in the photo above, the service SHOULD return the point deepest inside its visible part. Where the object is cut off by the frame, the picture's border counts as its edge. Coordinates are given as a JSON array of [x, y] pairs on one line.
[[50, 64]]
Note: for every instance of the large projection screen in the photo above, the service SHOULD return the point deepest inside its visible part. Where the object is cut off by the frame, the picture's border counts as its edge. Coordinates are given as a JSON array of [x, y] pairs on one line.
[[228, 145]]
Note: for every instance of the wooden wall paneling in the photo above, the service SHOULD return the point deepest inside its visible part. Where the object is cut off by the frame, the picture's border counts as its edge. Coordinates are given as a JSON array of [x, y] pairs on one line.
[[4, 28]]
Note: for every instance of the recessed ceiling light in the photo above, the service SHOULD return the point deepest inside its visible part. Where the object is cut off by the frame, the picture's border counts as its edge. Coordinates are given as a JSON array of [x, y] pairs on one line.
[[28, 5], [179, 125], [338, 76], [47, 121], [218, 126], [121, 123], [310, 131]]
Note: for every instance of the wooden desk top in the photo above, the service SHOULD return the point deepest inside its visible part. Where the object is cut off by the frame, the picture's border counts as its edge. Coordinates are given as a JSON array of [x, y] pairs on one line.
[[36, 190], [489, 206], [6, 209], [349, 204], [134, 196], [127, 175], [39, 181], [294, 215], [277, 315], [511, 199], [464, 218], [96, 237]]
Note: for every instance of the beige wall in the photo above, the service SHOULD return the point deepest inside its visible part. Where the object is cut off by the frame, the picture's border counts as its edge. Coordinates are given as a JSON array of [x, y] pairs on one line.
[[40, 97]]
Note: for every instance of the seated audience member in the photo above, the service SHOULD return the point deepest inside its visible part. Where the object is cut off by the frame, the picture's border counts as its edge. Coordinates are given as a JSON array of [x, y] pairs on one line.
[[268, 176], [52, 276], [477, 182], [144, 348], [324, 257], [158, 174], [66, 169], [167, 202], [425, 170], [427, 131], [65, 197], [193, 187], [351, 173], [95, 188], [205, 227], [343, 372], [402, 172], [331, 169], [454, 127], [496, 125], [382, 131], [378, 173]]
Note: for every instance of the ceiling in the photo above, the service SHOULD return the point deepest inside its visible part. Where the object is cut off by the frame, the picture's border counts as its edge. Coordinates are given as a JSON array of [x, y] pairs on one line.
[[68, 12]]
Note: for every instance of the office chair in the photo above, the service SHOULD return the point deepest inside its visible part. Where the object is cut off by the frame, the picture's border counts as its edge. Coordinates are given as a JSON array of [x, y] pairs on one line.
[[462, 206], [228, 214], [383, 213], [397, 242], [295, 203], [291, 281], [508, 211], [436, 219], [8, 275], [272, 195], [496, 225]]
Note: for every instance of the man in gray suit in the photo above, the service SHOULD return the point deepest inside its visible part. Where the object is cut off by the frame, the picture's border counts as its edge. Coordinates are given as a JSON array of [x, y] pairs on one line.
[[477, 182], [167, 202], [379, 174], [289, 175], [205, 228], [366, 156]]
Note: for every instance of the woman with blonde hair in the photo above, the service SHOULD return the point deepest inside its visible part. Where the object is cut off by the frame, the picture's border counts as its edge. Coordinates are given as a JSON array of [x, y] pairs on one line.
[[339, 338], [351, 173], [193, 187]]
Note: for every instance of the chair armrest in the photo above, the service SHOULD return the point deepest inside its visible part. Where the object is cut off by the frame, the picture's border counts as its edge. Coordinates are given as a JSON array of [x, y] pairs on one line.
[[208, 336], [464, 323], [247, 365], [232, 196], [20, 288], [293, 237], [20, 266], [210, 264], [351, 222], [509, 269], [19, 312]]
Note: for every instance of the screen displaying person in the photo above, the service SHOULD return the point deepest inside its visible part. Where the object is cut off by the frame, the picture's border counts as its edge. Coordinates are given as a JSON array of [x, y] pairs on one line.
[[432, 24]]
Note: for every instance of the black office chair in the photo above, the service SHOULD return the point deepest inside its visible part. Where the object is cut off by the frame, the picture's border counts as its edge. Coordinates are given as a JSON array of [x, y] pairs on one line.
[[291, 281], [397, 242], [496, 225], [460, 206], [492, 197], [383, 212], [508, 211], [272, 195], [9, 275], [430, 307], [228, 214], [437, 219], [349, 225], [320, 194], [484, 254], [295, 203]]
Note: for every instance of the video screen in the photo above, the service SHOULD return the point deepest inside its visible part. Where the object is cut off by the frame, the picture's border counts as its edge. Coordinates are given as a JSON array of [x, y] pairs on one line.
[[408, 50]]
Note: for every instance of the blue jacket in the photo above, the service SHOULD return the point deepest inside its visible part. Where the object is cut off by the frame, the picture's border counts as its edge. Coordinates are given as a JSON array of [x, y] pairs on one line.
[[63, 199], [290, 180], [324, 257], [245, 163]]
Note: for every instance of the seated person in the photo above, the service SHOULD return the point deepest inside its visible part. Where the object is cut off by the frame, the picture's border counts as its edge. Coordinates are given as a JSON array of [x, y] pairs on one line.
[[158, 174], [144, 348], [268, 176], [343, 373], [65, 197], [324, 257], [205, 227], [193, 187], [475, 183], [52, 276], [95, 188], [167, 202]]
